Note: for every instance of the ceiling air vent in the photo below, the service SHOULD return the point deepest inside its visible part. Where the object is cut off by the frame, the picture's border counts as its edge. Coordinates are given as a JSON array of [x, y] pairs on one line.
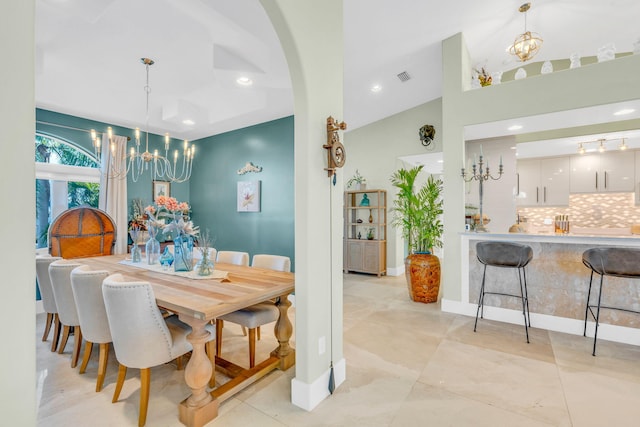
[[404, 76]]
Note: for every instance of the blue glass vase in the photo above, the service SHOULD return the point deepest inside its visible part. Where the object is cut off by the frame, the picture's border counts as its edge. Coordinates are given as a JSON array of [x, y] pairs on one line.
[[166, 259], [183, 253]]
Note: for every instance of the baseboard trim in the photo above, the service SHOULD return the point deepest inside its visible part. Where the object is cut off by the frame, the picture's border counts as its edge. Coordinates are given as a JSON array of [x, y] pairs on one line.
[[607, 332], [308, 396], [395, 271]]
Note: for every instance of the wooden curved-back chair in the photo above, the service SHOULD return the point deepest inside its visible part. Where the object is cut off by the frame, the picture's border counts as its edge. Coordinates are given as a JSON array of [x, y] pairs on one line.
[[82, 232]]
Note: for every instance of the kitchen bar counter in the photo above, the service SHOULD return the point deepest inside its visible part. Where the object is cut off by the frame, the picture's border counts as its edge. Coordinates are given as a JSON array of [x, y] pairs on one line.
[[557, 282]]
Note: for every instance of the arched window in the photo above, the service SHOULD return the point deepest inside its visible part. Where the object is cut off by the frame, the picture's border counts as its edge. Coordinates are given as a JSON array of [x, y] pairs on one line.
[[66, 177]]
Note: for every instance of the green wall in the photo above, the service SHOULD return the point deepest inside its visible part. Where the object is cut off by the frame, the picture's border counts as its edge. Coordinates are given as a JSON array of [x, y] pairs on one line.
[[75, 130], [214, 188]]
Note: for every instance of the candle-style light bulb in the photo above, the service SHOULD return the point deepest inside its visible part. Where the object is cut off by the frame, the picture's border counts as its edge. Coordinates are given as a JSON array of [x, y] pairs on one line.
[[137, 134], [110, 132], [175, 155], [93, 135], [166, 141]]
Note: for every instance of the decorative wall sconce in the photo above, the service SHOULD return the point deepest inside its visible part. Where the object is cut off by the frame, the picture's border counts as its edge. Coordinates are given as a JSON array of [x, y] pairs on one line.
[[336, 154]]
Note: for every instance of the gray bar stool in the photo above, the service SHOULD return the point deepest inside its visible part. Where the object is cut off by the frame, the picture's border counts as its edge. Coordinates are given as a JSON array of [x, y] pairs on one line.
[[616, 262], [505, 255]]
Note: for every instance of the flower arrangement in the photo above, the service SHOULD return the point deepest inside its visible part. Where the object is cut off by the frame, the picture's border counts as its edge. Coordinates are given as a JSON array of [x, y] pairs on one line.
[[177, 213], [484, 77]]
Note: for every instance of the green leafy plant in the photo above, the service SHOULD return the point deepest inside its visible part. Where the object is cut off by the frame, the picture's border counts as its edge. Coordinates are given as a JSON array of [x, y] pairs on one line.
[[356, 179], [417, 211]]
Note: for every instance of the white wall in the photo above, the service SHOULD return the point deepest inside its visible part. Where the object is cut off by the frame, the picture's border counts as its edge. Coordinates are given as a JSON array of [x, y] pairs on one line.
[[374, 150], [311, 37], [17, 218]]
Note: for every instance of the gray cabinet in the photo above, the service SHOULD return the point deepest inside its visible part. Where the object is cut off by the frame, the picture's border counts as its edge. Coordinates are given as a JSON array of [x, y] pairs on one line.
[[543, 182], [365, 231], [603, 172]]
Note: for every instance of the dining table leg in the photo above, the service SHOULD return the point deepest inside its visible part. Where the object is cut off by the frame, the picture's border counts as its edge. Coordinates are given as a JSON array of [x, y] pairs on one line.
[[200, 407], [283, 331]]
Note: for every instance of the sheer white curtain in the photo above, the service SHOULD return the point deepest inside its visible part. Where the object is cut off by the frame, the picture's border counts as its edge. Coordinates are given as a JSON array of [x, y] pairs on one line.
[[113, 190]]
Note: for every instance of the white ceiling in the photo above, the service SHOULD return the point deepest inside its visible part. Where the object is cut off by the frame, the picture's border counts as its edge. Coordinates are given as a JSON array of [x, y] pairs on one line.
[[88, 51]]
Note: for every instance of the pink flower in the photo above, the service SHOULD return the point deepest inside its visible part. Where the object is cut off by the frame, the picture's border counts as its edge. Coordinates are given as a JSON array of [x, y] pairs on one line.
[[161, 200], [184, 207], [151, 209], [171, 204]]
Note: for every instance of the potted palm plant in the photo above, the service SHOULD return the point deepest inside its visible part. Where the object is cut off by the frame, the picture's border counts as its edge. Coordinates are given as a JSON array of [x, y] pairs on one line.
[[417, 213]]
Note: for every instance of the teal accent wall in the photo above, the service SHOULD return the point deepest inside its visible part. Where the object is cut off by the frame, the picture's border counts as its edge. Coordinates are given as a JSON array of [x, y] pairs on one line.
[[75, 130], [214, 188]]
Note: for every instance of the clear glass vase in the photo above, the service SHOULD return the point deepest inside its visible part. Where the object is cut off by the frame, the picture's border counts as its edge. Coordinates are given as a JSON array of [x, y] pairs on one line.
[[205, 265], [183, 253], [136, 253], [152, 248], [166, 259]]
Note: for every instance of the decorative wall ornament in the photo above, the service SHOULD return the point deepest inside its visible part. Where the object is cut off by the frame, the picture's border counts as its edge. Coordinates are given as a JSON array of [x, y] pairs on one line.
[[575, 60], [336, 153], [496, 77], [607, 52], [521, 74], [547, 67], [249, 167], [427, 134]]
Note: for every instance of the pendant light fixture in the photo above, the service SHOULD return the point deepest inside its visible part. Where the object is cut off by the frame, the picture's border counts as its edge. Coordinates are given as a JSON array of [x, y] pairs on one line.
[[137, 162], [527, 44]]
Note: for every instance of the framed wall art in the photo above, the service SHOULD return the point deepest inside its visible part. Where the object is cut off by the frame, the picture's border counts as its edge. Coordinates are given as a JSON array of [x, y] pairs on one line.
[[161, 188], [248, 196]]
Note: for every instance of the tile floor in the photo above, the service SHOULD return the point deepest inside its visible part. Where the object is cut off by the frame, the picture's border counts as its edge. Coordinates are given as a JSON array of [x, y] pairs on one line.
[[408, 364]]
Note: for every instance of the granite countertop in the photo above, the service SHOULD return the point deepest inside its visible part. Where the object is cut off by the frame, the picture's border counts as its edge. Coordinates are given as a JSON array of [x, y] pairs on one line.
[[571, 238]]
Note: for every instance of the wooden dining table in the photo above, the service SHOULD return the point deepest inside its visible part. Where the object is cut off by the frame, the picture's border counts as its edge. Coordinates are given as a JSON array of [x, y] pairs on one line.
[[198, 302]]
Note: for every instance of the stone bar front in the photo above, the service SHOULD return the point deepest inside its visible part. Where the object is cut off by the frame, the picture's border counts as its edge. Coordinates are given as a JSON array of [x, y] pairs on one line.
[[557, 283]]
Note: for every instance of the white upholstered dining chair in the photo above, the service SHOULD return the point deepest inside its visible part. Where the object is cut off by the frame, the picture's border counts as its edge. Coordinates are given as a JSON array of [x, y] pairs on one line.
[[48, 300], [233, 257], [256, 315], [60, 274], [142, 337], [87, 291]]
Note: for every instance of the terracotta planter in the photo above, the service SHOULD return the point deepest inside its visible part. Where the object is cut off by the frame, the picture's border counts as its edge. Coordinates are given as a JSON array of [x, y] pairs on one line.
[[423, 277]]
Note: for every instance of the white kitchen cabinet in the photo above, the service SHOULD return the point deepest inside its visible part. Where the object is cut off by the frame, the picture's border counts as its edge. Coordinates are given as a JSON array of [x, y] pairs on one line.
[[543, 182], [603, 172]]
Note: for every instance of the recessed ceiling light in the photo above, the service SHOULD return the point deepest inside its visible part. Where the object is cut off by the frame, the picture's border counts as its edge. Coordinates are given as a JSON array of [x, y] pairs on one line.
[[376, 88], [514, 147], [514, 127], [188, 122], [244, 81], [624, 111]]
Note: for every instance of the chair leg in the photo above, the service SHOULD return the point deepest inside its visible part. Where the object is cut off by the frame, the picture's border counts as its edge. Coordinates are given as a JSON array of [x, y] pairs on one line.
[[252, 347], [244, 331], [595, 335], [65, 337], [122, 373], [219, 326], [526, 295], [179, 366], [77, 343], [145, 382], [102, 365], [258, 333], [586, 310], [88, 346], [47, 326], [480, 298], [212, 358], [524, 308], [56, 332]]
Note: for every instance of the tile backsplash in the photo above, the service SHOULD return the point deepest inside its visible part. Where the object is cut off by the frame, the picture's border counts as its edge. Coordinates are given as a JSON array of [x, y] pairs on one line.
[[605, 210]]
